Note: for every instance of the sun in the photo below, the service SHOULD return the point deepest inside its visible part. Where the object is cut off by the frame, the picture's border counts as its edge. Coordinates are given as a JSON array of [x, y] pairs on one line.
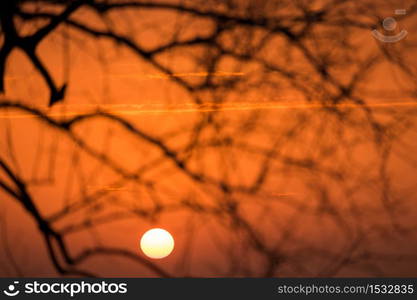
[[157, 243]]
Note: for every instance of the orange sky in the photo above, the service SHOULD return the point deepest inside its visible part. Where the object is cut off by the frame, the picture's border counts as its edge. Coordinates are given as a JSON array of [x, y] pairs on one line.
[[108, 77]]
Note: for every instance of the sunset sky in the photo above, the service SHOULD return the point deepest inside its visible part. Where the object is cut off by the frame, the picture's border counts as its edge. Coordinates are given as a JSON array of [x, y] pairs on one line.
[[271, 138]]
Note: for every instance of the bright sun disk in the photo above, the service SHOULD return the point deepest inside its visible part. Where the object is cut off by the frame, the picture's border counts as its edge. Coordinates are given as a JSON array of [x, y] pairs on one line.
[[157, 243]]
